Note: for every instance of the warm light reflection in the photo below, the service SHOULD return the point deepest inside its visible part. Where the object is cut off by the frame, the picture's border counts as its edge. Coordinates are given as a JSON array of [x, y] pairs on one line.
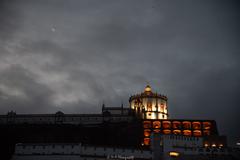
[[156, 124], [156, 131], [197, 133], [166, 124], [176, 124], [173, 154], [147, 132], [206, 125], [146, 141], [177, 132], [147, 124], [166, 131], [196, 125], [187, 132], [186, 125]]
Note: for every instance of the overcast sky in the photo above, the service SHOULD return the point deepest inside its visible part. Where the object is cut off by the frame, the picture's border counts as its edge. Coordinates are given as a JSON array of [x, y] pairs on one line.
[[72, 55]]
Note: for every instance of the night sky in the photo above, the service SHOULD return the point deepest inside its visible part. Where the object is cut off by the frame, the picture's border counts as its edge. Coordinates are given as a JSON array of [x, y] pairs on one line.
[[73, 55]]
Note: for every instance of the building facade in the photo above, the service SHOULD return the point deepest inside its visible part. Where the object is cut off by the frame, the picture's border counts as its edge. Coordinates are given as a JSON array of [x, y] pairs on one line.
[[77, 152], [132, 126]]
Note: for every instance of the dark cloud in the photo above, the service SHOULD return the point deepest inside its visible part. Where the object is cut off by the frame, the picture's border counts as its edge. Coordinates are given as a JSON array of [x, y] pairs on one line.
[[72, 56], [9, 18]]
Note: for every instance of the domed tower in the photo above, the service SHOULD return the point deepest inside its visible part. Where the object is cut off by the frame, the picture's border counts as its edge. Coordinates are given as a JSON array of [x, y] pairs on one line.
[[149, 105]]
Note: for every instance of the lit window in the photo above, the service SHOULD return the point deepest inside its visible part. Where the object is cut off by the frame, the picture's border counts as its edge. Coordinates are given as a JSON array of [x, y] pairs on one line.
[[156, 131], [186, 125], [156, 124], [177, 132], [196, 125], [146, 141], [173, 154], [166, 131], [147, 124], [206, 125], [176, 124], [187, 133], [213, 145], [197, 133], [147, 132], [166, 124]]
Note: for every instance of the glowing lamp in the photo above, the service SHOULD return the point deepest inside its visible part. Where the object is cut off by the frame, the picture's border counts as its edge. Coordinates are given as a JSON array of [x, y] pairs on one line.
[[173, 154]]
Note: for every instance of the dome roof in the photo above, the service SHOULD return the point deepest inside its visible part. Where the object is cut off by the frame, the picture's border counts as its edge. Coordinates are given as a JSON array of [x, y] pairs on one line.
[[148, 89]]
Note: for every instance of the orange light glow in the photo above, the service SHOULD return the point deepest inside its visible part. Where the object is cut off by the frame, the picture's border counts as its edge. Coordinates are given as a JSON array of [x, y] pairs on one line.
[[156, 124], [196, 125], [187, 133], [176, 124], [147, 132], [166, 131], [166, 124], [147, 124], [177, 132], [186, 125], [173, 154], [146, 141], [156, 131], [197, 133], [206, 125]]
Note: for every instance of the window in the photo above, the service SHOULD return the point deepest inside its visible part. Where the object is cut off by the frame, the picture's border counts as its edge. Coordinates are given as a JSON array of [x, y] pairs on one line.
[[177, 132], [147, 132], [146, 141], [186, 125], [197, 133], [156, 124], [166, 131], [166, 124], [187, 133], [176, 124], [147, 124], [206, 125], [196, 125]]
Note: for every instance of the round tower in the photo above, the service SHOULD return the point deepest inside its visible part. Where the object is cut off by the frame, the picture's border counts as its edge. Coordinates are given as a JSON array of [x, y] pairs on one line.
[[149, 105]]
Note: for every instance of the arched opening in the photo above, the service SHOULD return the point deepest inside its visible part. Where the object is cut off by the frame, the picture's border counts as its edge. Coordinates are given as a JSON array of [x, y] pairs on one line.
[[196, 125], [197, 133], [187, 133], [147, 132], [206, 125], [156, 131], [177, 132], [146, 141], [147, 124], [176, 124], [166, 131], [166, 124], [206, 132], [186, 125], [156, 124]]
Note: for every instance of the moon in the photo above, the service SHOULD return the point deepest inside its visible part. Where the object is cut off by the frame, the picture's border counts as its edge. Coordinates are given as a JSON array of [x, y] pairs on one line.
[[53, 29]]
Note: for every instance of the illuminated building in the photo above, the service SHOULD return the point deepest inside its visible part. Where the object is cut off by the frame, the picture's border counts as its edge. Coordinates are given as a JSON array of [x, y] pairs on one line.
[[132, 126], [152, 108], [149, 105]]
